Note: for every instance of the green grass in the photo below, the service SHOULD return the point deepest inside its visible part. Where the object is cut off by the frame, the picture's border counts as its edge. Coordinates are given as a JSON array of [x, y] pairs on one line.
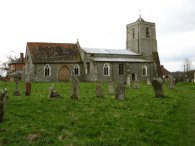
[[139, 120]]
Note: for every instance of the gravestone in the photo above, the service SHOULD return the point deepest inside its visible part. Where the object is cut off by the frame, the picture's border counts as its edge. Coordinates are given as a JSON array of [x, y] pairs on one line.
[[16, 92], [128, 80], [75, 88], [53, 92], [171, 82], [111, 88], [99, 90], [157, 86], [120, 92], [148, 82], [136, 84], [28, 88], [3, 103]]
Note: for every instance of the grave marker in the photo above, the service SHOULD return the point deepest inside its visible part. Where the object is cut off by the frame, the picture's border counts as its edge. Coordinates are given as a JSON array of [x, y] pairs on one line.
[[75, 88], [157, 86], [16, 92], [120, 92], [53, 92], [28, 88], [99, 90], [111, 88], [3, 103]]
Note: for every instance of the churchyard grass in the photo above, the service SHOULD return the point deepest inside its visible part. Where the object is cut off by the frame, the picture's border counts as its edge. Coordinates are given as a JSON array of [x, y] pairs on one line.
[[139, 120]]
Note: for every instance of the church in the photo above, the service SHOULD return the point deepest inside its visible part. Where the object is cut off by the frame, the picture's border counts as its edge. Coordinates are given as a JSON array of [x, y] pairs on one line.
[[46, 62]]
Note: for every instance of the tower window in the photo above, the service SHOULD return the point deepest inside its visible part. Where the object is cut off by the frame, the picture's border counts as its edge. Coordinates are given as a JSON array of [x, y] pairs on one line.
[[144, 70], [106, 70], [147, 32], [47, 70], [121, 69], [133, 33], [76, 70]]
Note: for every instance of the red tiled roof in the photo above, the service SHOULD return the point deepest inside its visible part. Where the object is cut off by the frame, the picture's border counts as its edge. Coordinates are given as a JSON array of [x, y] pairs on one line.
[[53, 52]]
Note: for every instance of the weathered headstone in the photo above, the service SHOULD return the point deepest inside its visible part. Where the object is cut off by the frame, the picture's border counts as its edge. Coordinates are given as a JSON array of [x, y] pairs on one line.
[[128, 80], [99, 90], [157, 86], [136, 84], [28, 88], [75, 88], [171, 82], [16, 92], [120, 92], [148, 82], [111, 88], [53, 92], [3, 103]]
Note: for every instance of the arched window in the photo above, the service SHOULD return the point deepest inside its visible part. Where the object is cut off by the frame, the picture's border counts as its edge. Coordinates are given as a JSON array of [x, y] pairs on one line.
[[147, 32], [47, 70], [76, 70], [106, 69], [133, 33], [144, 70]]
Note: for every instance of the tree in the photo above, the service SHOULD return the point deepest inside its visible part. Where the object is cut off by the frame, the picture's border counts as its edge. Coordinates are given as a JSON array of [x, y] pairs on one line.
[[3, 69], [187, 65], [187, 68], [4, 66]]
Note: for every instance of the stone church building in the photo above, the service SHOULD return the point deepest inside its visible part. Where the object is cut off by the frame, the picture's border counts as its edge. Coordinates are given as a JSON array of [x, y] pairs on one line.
[[60, 61]]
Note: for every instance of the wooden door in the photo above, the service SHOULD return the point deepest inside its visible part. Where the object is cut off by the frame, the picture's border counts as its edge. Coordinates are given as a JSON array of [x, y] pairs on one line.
[[64, 73]]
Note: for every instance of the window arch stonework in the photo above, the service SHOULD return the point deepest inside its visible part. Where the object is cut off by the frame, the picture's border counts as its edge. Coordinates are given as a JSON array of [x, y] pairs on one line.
[[76, 70], [106, 69], [47, 70], [144, 70]]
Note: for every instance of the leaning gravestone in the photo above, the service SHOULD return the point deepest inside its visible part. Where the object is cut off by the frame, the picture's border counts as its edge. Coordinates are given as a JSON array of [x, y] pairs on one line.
[[75, 88], [28, 88], [157, 86], [111, 88], [16, 92], [120, 92], [53, 92], [3, 103], [99, 90]]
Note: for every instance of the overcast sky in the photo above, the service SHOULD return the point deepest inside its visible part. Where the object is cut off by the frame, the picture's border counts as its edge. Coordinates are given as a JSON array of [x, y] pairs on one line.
[[98, 24]]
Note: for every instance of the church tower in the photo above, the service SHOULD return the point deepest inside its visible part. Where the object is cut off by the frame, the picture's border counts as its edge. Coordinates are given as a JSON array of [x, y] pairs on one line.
[[141, 38]]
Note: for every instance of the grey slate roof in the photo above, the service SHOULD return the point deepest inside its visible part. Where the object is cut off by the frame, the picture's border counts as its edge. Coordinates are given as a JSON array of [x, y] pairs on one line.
[[107, 59], [109, 51]]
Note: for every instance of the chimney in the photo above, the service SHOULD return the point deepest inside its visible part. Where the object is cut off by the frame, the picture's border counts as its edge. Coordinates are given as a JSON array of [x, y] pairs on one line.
[[22, 57]]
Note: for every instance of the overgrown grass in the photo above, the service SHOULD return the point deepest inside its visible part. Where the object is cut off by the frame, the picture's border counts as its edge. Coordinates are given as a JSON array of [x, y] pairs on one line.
[[139, 120]]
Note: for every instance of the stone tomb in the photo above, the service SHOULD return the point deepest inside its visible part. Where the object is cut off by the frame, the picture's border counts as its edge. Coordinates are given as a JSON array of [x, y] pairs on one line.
[[157, 86], [111, 90], [75, 88], [120, 92], [99, 90], [28, 88], [53, 92], [3, 103]]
